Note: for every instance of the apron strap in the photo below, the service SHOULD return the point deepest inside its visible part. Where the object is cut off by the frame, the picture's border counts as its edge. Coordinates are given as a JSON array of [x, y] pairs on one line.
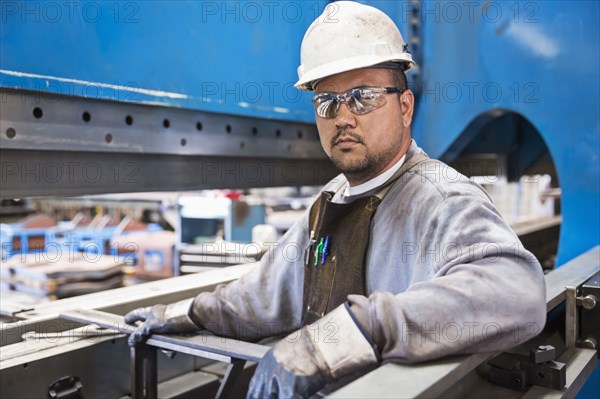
[[347, 228], [406, 166]]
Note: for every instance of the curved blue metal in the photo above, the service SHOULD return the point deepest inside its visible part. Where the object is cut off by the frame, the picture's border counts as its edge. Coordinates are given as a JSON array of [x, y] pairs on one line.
[[537, 59]]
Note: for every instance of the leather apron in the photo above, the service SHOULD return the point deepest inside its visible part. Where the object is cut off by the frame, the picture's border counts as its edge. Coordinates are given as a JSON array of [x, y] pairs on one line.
[[335, 260]]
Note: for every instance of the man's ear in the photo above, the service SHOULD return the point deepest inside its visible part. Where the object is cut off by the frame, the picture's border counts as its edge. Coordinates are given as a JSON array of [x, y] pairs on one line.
[[407, 104]]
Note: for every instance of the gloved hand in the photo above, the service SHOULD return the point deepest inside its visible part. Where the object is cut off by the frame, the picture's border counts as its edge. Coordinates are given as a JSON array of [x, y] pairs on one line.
[[301, 364], [161, 319]]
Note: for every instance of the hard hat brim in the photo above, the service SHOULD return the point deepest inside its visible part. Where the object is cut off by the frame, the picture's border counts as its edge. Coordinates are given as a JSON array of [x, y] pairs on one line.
[[348, 64]]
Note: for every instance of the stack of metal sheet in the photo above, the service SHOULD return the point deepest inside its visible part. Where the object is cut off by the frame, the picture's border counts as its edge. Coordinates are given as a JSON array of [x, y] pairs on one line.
[[63, 277]]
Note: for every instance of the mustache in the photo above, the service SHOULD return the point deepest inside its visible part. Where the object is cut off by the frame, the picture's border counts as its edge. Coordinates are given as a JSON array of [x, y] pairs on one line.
[[341, 134]]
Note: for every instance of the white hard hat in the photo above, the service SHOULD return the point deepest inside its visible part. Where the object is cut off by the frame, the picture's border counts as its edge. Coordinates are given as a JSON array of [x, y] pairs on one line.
[[347, 36]]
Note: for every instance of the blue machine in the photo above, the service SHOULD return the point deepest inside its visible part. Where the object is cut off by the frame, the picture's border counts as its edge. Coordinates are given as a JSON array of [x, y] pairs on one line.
[[502, 68], [200, 94]]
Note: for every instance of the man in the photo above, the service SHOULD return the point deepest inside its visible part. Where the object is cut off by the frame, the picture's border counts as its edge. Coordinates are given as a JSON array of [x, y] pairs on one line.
[[405, 259]]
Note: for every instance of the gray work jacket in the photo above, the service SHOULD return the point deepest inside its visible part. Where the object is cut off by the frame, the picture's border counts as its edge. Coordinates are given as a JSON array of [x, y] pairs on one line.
[[445, 275]]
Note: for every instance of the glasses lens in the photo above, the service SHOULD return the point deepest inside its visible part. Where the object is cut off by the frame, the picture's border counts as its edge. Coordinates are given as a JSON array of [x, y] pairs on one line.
[[326, 106], [360, 101], [364, 100]]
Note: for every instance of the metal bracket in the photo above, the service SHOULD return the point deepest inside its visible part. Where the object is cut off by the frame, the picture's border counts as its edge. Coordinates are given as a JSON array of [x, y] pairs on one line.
[[234, 370], [515, 371], [589, 312], [571, 317], [144, 380], [583, 314]]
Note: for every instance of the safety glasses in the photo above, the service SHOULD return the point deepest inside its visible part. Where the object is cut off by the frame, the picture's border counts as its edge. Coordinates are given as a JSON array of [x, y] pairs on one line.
[[360, 100]]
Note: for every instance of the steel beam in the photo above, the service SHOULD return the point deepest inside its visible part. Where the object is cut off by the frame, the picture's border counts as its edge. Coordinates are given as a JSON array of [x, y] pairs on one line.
[[572, 273], [44, 317], [202, 345], [64, 145]]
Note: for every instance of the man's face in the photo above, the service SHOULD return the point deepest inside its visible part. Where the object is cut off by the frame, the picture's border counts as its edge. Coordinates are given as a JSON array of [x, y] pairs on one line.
[[364, 146]]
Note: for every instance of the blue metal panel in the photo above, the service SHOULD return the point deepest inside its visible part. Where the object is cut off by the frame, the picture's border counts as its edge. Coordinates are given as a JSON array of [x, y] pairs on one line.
[[537, 59], [228, 57]]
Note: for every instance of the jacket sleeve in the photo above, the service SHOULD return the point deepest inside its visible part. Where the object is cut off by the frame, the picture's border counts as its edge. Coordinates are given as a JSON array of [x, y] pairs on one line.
[[486, 293], [264, 302]]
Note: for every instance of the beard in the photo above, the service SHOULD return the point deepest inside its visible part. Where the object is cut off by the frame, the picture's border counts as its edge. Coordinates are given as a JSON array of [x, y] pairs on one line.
[[368, 166]]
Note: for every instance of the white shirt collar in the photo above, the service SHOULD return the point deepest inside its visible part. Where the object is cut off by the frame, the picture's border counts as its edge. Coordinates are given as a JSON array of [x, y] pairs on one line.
[[374, 182]]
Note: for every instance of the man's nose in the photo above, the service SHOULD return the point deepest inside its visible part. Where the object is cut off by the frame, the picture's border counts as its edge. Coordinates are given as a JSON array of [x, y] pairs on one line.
[[344, 117]]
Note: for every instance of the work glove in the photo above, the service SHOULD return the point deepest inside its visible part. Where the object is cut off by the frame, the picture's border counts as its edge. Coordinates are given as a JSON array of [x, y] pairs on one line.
[[161, 319], [304, 362]]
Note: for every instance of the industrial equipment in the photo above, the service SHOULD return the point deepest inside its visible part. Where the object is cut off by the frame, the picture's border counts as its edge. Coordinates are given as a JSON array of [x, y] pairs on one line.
[[114, 97], [63, 344]]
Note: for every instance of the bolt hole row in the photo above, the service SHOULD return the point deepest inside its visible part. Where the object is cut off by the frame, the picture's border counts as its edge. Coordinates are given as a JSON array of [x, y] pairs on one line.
[[108, 138], [87, 117]]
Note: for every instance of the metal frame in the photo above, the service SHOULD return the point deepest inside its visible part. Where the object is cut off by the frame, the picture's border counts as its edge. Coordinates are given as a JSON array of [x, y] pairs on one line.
[[44, 317], [432, 379], [143, 355], [58, 350], [429, 379], [48, 148]]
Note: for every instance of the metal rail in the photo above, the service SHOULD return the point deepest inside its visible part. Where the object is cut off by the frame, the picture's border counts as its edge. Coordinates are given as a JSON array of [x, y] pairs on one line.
[[432, 379], [422, 380], [43, 317], [143, 355]]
